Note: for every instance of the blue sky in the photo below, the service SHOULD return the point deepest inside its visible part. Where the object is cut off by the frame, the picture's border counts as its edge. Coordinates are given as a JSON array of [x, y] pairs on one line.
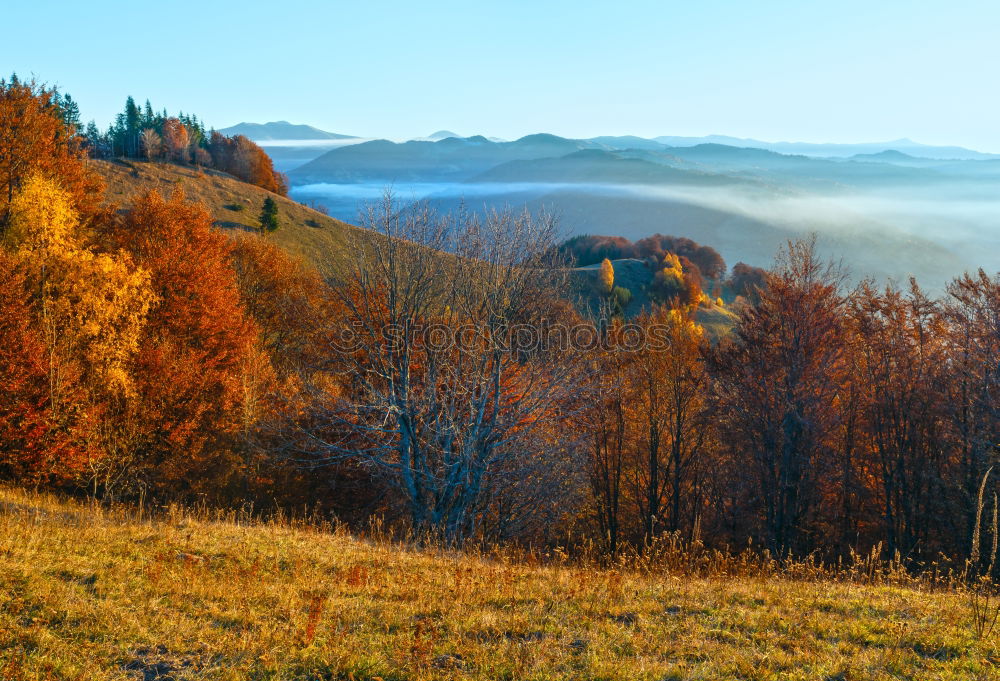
[[775, 70]]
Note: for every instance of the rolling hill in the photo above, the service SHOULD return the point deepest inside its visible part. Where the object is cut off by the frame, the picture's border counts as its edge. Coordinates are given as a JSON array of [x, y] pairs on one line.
[[830, 150], [597, 166], [889, 214]]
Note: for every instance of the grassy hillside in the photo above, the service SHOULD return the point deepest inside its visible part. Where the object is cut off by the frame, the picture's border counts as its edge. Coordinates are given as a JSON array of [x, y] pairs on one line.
[[304, 232], [87, 593]]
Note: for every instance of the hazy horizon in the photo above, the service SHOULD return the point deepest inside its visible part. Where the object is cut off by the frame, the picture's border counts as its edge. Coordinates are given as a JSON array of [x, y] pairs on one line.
[[777, 70], [490, 135]]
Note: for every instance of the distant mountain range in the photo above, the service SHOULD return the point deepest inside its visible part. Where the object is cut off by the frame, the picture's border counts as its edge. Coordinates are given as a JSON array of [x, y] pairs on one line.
[[891, 209], [917, 209], [620, 160], [442, 135], [449, 159], [281, 131], [904, 145]]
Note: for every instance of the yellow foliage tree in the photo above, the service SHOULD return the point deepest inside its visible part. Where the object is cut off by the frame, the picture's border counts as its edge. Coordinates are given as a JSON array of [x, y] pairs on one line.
[[92, 304], [607, 276]]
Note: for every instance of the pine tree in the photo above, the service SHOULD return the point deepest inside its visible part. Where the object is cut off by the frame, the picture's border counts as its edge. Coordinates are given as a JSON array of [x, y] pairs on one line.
[[133, 121], [71, 112], [148, 117], [269, 216]]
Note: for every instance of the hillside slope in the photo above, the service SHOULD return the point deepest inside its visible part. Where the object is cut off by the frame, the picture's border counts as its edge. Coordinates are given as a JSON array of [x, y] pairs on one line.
[[316, 238], [236, 205], [87, 594]]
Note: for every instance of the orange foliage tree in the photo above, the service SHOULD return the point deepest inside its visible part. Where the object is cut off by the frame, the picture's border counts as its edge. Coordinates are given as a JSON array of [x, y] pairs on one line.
[[777, 379], [241, 157], [34, 138], [29, 445], [198, 366], [176, 140]]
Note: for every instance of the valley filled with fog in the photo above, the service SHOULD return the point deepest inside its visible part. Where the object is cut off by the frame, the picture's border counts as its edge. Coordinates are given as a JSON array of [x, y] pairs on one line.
[[887, 213]]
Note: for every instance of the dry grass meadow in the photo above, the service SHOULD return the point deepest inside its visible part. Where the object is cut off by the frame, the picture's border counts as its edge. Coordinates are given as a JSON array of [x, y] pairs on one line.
[[93, 593]]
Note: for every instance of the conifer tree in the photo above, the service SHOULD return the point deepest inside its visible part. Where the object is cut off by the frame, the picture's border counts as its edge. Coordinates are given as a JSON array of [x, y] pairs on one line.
[[269, 216], [133, 120]]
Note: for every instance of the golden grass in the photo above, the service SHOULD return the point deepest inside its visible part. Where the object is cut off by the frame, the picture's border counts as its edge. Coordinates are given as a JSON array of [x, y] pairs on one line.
[[91, 593]]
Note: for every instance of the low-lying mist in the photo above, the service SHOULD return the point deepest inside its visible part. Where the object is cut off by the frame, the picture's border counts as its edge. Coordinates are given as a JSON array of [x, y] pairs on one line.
[[932, 232]]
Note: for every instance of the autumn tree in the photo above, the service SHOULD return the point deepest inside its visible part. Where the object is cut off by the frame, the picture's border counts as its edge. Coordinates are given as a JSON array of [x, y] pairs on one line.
[[176, 140], [606, 275], [706, 258], [30, 448], [199, 362], [606, 421], [91, 308], [35, 138], [777, 379], [151, 144], [241, 157], [461, 420], [669, 385], [972, 310]]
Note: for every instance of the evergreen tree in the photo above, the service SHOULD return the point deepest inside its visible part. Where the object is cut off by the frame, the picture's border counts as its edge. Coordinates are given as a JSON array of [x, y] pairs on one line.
[[133, 128], [117, 136], [269, 216], [148, 117], [96, 142], [71, 112]]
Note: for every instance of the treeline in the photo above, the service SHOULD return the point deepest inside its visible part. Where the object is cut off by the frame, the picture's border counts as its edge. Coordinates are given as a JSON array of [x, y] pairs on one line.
[[144, 353], [142, 133], [588, 249]]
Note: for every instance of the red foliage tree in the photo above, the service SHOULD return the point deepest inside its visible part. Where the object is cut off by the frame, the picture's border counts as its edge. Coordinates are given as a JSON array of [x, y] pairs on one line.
[[176, 141], [199, 345], [240, 157], [30, 448]]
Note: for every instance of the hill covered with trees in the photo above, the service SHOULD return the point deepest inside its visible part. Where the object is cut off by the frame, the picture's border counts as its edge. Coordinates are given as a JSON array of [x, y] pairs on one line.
[[150, 135], [429, 369]]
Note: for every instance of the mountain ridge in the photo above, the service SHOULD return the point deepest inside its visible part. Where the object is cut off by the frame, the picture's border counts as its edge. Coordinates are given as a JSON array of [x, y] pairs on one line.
[[280, 131]]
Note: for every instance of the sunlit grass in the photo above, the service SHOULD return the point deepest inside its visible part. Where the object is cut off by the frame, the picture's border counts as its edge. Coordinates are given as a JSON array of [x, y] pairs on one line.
[[87, 593]]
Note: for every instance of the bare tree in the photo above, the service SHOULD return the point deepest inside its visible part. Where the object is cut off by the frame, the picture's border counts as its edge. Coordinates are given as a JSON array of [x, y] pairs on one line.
[[151, 143], [446, 381]]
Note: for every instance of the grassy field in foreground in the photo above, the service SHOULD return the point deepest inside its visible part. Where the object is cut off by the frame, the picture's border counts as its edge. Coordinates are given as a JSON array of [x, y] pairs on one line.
[[87, 593]]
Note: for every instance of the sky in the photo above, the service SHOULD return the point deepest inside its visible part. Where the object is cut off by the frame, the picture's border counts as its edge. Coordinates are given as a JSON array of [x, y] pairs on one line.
[[816, 71]]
